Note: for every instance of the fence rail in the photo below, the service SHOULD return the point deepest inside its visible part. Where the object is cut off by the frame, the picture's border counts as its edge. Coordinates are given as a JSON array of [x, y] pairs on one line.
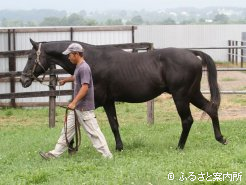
[[234, 50]]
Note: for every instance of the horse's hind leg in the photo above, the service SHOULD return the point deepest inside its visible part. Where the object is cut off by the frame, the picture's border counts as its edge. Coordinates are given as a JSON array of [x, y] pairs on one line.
[[183, 108], [202, 103]]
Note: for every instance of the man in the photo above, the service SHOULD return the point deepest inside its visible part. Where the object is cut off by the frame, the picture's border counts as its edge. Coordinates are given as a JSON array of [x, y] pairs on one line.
[[84, 105]]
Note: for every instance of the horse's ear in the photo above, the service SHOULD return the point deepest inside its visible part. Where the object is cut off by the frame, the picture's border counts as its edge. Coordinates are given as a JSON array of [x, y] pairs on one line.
[[34, 44]]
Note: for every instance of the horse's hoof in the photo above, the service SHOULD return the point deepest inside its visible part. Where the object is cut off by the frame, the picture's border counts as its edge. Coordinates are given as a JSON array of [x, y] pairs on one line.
[[72, 152], [225, 142], [222, 140], [119, 147], [180, 147]]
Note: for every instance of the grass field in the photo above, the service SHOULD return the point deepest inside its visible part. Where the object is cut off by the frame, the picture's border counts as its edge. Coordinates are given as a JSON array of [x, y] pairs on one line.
[[149, 151]]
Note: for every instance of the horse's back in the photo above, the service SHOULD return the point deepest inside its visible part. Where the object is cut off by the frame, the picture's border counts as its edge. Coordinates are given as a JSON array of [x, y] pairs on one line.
[[138, 77]]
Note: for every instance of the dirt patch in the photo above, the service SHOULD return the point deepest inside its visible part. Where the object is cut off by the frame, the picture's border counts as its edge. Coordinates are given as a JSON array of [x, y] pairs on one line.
[[232, 106], [228, 80]]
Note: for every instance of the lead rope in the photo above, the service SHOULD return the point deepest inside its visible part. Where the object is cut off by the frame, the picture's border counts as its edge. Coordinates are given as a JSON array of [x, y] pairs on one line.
[[77, 130], [59, 91]]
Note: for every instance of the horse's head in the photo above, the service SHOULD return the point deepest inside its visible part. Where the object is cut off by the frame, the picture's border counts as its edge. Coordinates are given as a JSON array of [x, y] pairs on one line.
[[35, 66]]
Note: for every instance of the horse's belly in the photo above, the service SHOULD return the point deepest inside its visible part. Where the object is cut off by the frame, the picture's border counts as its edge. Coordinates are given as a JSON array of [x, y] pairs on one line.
[[138, 88], [136, 95]]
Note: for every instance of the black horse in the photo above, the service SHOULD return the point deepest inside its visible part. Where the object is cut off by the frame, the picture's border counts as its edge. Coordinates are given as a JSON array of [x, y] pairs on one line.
[[137, 77]]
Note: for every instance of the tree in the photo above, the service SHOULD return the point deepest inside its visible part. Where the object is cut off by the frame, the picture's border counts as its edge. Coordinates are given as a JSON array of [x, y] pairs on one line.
[[51, 21], [188, 21], [202, 21], [11, 23], [31, 24], [168, 21], [221, 18], [114, 22], [91, 22], [75, 20], [137, 20]]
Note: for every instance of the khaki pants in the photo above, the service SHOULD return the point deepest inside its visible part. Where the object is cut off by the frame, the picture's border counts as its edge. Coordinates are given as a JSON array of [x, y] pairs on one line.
[[89, 123]]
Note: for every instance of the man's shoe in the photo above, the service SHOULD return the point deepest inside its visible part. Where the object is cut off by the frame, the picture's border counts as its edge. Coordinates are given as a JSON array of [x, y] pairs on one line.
[[47, 155], [108, 156]]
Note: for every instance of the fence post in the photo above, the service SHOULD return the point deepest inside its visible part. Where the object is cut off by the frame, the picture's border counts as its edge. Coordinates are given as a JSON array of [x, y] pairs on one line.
[[71, 38], [150, 112], [12, 65], [236, 53], [150, 104], [229, 51], [52, 99], [242, 53], [133, 39], [71, 33], [233, 52], [133, 34]]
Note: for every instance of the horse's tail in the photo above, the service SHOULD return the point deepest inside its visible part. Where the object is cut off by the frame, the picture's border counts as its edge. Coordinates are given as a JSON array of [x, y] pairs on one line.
[[208, 62]]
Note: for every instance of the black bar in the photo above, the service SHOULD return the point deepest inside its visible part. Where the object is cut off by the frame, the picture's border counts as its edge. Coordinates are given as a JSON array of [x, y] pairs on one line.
[[14, 53], [229, 51], [71, 33], [18, 73], [242, 54], [233, 44], [36, 94], [52, 99], [12, 67], [232, 47], [133, 34]]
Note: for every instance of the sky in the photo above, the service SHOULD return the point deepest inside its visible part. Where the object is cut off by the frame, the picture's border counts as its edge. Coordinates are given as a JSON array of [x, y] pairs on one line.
[[101, 5]]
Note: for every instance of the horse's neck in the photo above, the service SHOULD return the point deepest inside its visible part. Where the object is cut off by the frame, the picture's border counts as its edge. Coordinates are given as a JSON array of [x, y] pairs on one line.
[[66, 65], [54, 50], [63, 61]]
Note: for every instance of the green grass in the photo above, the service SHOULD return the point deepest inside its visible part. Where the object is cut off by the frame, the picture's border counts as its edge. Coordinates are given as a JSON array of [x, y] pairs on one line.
[[228, 79], [239, 100], [149, 151]]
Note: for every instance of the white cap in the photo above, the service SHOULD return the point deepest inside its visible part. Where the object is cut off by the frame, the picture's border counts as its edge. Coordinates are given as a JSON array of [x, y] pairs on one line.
[[74, 47]]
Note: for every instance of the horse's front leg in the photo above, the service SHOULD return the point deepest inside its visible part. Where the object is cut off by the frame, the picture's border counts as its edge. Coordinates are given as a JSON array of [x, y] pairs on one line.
[[70, 146], [110, 110]]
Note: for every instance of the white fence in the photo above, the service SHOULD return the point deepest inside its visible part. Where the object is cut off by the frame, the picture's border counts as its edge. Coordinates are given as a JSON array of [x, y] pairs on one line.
[[192, 36]]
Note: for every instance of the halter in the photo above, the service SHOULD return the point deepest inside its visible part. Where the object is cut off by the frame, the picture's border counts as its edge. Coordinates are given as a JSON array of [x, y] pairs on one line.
[[30, 73]]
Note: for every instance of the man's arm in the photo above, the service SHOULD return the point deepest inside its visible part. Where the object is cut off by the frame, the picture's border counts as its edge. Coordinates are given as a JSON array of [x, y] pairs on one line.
[[65, 80], [81, 94]]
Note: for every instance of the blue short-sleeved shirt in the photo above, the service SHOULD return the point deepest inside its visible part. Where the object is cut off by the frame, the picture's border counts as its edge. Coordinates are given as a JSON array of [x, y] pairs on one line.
[[82, 75]]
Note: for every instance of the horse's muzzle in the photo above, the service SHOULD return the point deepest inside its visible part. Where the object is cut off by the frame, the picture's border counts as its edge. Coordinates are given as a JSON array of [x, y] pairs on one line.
[[25, 81]]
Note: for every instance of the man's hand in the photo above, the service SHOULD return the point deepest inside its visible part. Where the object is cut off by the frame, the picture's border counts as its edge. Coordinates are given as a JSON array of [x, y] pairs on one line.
[[65, 80], [71, 105], [62, 82]]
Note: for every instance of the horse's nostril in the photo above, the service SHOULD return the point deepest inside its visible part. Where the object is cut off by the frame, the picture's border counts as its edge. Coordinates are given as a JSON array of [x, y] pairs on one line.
[[25, 82]]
